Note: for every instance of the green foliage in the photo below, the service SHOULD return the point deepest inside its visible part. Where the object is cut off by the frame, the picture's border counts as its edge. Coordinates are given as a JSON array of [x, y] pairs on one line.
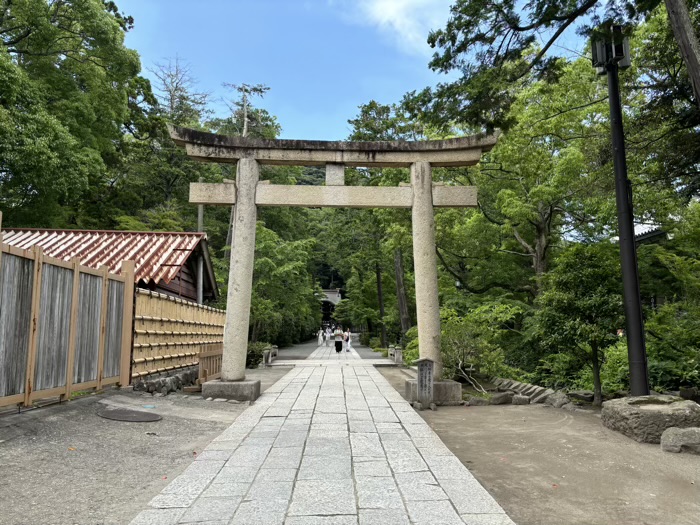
[[364, 338], [411, 351], [580, 307], [375, 343], [254, 356], [468, 343]]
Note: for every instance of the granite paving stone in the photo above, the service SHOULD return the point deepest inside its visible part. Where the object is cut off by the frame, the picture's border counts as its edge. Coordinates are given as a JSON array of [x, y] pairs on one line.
[[325, 468], [433, 513], [327, 497], [211, 509], [419, 486], [223, 490], [383, 517], [370, 467], [377, 493], [257, 513]]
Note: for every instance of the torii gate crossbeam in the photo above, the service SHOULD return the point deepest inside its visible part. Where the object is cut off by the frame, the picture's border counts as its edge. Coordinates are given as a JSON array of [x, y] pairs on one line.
[[248, 192]]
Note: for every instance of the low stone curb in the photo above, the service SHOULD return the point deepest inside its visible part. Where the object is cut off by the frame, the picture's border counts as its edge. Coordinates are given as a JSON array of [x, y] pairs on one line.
[[165, 384]]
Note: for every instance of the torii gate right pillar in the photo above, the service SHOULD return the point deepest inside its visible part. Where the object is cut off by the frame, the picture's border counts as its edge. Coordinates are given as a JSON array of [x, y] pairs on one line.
[[425, 265]]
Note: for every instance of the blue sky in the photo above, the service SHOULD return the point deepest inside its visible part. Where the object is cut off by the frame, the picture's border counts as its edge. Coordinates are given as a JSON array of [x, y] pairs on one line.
[[321, 58]]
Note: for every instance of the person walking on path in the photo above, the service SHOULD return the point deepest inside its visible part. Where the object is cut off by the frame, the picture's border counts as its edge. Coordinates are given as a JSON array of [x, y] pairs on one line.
[[348, 340], [320, 337], [328, 335], [338, 336]]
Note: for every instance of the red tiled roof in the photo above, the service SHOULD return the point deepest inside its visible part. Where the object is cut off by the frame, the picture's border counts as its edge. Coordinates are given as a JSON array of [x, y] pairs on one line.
[[158, 256]]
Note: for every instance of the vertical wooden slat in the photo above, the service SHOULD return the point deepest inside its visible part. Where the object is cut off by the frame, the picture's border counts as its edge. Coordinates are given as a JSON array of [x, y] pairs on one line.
[[34, 319], [128, 268], [75, 265], [0, 241], [103, 325]]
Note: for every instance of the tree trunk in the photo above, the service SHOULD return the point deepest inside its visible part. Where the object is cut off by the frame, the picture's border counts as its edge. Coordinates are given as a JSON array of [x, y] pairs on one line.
[[401, 292], [380, 296], [597, 390], [687, 41]]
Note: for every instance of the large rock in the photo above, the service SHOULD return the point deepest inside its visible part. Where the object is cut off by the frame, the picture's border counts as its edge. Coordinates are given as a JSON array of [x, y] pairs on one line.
[[581, 395], [557, 399], [520, 400], [681, 440], [476, 401], [691, 393], [502, 398], [542, 396], [645, 418]]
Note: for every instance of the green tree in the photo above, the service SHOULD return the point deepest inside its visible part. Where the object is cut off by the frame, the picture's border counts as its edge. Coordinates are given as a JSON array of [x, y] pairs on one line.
[[70, 87], [490, 44], [580, 307]]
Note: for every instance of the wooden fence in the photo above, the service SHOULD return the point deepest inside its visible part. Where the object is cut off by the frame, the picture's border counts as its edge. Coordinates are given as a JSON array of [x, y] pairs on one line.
[[63, 327], [171, 333]]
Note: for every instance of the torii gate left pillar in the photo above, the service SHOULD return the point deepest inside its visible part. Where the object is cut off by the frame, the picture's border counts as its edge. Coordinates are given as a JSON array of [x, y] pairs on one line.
[[421, 196]]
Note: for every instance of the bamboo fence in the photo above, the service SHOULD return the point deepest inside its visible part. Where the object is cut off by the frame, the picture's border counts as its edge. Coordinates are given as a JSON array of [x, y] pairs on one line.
[[170, 334]]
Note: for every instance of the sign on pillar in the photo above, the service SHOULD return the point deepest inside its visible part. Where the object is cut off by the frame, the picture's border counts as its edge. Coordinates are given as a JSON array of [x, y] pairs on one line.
[[424, 384]]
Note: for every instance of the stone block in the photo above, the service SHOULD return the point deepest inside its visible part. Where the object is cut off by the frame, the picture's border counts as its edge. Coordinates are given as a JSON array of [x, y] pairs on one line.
[[245, 390], [557, 399], [645, 418], [501, 398], [581, 395], [445, 393], [690, 393], [532, 390], [542, 396], [536, 391], [681, 440], [520, 400], [475, 401]]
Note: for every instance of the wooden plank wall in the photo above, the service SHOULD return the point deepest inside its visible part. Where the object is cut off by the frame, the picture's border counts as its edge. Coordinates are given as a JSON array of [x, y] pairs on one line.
[[63, 327], [170, 333]]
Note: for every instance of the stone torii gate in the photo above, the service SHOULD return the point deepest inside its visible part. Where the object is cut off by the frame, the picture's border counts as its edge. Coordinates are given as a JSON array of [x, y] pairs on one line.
[[248, 192]]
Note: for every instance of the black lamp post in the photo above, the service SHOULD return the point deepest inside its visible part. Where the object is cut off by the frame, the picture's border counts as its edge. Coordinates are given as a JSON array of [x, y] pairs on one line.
[[610, 53]]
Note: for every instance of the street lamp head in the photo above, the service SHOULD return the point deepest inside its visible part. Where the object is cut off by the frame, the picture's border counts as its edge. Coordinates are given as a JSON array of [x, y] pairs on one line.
[[610, 46]]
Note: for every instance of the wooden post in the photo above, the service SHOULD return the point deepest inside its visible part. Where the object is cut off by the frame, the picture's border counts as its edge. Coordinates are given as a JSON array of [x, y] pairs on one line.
[[104, 271], [72, 334], [128, 269], [34, 324]]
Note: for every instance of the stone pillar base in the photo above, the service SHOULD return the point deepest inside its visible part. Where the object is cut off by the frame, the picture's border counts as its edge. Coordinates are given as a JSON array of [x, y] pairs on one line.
[[245, 390], [445, 393]]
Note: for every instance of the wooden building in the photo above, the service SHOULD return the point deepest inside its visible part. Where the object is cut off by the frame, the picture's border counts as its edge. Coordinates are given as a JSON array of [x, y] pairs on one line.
[[165, 262]]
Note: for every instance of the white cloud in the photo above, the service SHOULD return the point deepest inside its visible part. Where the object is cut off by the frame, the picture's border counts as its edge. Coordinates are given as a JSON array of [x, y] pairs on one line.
[[406, 22]]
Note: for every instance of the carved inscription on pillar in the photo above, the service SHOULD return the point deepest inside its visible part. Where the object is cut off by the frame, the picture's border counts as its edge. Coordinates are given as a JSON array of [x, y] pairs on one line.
[[425, 382]]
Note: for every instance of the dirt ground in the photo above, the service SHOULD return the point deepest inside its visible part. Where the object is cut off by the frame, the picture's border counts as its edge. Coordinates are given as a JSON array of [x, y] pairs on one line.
[[65, 465], [547, 466]]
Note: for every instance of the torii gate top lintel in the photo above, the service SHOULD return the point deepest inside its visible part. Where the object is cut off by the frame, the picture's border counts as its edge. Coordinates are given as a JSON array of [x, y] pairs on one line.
[[211, 147]]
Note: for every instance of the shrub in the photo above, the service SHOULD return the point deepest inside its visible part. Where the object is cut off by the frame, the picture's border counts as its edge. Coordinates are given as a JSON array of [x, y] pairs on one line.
[[375, 343], [364, 338], [255, 354]]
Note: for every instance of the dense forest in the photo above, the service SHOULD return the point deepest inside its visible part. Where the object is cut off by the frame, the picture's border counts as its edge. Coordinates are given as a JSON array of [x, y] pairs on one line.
[[529, 281]]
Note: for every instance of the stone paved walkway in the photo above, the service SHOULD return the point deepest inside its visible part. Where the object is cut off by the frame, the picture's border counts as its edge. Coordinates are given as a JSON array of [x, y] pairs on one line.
[[330, 443]]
